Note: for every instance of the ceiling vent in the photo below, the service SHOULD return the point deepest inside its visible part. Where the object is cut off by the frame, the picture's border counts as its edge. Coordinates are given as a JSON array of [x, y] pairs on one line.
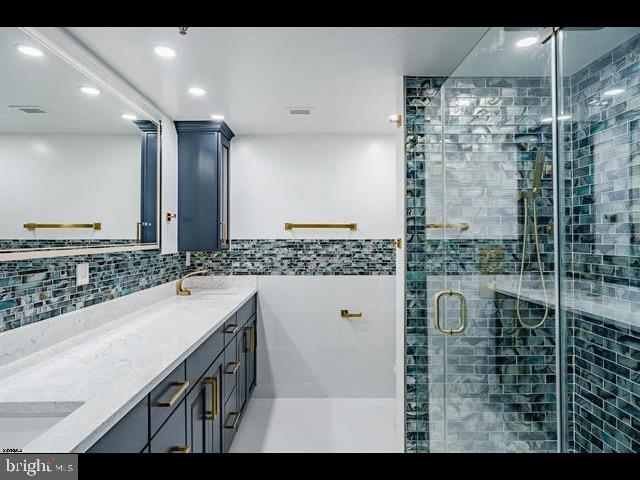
[[300, 110], [29, 108]]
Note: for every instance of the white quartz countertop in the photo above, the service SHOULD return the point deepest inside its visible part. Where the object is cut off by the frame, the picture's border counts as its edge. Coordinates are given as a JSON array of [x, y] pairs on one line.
[[108, 369]]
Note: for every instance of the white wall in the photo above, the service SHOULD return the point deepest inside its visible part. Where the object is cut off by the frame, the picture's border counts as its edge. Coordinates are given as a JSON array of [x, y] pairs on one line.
[[313, 179], [69, 178], [306, 348]]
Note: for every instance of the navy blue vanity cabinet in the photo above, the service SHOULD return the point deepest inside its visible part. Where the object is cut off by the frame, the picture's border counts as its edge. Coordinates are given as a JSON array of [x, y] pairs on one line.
[[204, 411], [203, 185], [171, 437], [249, 354], [129, 435], [199, 405]]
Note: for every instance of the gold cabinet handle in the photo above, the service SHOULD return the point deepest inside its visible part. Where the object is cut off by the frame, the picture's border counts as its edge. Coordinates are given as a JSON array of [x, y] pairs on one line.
[[213, 413], [348, 314], [251, 331], [232, 368], [463, 312], [176, 395], [182, 449], [233, 424], [232, 328]]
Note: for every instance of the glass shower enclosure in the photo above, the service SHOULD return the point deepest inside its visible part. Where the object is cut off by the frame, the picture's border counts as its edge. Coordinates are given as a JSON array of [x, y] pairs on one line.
[[523, 246]]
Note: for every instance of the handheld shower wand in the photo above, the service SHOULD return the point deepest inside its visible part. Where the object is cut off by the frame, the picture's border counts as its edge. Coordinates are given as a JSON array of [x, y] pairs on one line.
[[530, 195]]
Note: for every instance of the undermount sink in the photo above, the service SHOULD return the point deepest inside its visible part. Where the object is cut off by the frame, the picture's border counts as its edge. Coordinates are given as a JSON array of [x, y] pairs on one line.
[[22, 422]]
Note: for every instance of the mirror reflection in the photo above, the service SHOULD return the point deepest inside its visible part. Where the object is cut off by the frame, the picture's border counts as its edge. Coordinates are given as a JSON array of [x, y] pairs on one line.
[[78, 166]]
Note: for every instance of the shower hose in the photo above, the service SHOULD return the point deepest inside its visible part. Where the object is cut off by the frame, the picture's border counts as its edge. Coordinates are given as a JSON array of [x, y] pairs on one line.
[[524, 252]]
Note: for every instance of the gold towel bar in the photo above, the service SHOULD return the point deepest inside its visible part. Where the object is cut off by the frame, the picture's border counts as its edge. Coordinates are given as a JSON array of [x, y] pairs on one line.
[[33, 226], [350, 226], [459, 226]]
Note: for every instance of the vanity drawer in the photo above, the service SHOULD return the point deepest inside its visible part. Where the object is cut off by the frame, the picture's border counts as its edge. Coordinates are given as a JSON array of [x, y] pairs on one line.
[[245, 312], [172, 436], [129, 435], [204, 356], [166, 396], [231, 328], [231, 367], [230, 422]]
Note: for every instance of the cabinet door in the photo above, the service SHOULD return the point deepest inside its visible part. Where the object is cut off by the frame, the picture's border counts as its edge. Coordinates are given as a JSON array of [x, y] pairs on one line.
[[198, 426], [223, 189], [250, 354], [241, 385], [214, 379], [172, 435]]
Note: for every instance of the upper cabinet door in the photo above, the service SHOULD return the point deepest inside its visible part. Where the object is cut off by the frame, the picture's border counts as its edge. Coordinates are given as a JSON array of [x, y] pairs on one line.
[[203, 185]]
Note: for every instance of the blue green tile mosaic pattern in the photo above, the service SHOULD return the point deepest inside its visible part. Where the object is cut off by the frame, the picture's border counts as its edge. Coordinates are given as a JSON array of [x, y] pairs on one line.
[[602, 179], [499, 379], [34, 290], [603, 168]]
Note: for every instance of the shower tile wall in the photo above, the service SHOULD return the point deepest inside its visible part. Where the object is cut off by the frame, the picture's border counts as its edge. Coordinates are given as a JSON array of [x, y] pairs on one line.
[[500, 378], [602, 162]]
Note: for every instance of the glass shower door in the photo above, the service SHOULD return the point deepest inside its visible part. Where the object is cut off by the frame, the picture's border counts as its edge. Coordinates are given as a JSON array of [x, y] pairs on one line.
[[489, 235]]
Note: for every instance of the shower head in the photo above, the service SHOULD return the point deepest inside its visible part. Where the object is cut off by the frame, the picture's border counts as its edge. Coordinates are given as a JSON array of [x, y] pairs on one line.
[[537, 173]]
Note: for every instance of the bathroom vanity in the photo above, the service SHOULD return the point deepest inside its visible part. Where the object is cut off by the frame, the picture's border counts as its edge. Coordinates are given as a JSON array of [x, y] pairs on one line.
[[151, 372]]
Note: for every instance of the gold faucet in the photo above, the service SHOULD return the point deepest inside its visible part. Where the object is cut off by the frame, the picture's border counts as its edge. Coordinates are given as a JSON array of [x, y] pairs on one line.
[[185, 292]]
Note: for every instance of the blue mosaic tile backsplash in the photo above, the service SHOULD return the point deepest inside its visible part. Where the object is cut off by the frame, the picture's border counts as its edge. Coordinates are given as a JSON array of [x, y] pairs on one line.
[[34, 290]]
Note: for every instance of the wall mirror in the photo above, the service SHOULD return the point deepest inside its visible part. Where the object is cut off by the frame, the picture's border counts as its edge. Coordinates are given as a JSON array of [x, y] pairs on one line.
[[79, 163]]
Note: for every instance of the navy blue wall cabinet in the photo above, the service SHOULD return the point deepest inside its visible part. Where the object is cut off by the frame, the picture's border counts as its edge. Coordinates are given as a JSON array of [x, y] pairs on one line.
[[203, 185], [197, 408]]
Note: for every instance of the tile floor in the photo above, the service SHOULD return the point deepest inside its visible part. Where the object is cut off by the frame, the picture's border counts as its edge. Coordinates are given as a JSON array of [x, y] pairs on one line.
[[318, 425]]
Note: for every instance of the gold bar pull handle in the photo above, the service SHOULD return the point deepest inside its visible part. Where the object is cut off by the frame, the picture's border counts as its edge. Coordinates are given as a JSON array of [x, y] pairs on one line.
[[459, 226], [231, 328], [232, 368], [182, 449], [34, 226], [182, 386], [233, 424], [348, 314], [213, 413], [249, 349], [351, 226], [463, 312]]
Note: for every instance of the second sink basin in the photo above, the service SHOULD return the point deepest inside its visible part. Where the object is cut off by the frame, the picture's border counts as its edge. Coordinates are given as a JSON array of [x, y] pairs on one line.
[[23, 422]]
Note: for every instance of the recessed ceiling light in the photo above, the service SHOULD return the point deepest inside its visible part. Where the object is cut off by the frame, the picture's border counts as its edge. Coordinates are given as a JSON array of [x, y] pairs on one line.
[[613, 91], [564, 117], [128, 116], [546, 120], [217, 117], [29, 51], [164, 52], [90, 91], [526, 42], [197, 91]]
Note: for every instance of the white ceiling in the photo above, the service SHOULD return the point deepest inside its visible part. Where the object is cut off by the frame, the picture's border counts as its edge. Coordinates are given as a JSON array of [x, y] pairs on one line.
[[53, 84], [351, 76], [496, 54]]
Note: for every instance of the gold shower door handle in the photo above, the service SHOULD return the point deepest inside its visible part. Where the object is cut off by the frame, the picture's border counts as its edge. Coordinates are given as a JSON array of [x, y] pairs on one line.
[[463, 312]]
